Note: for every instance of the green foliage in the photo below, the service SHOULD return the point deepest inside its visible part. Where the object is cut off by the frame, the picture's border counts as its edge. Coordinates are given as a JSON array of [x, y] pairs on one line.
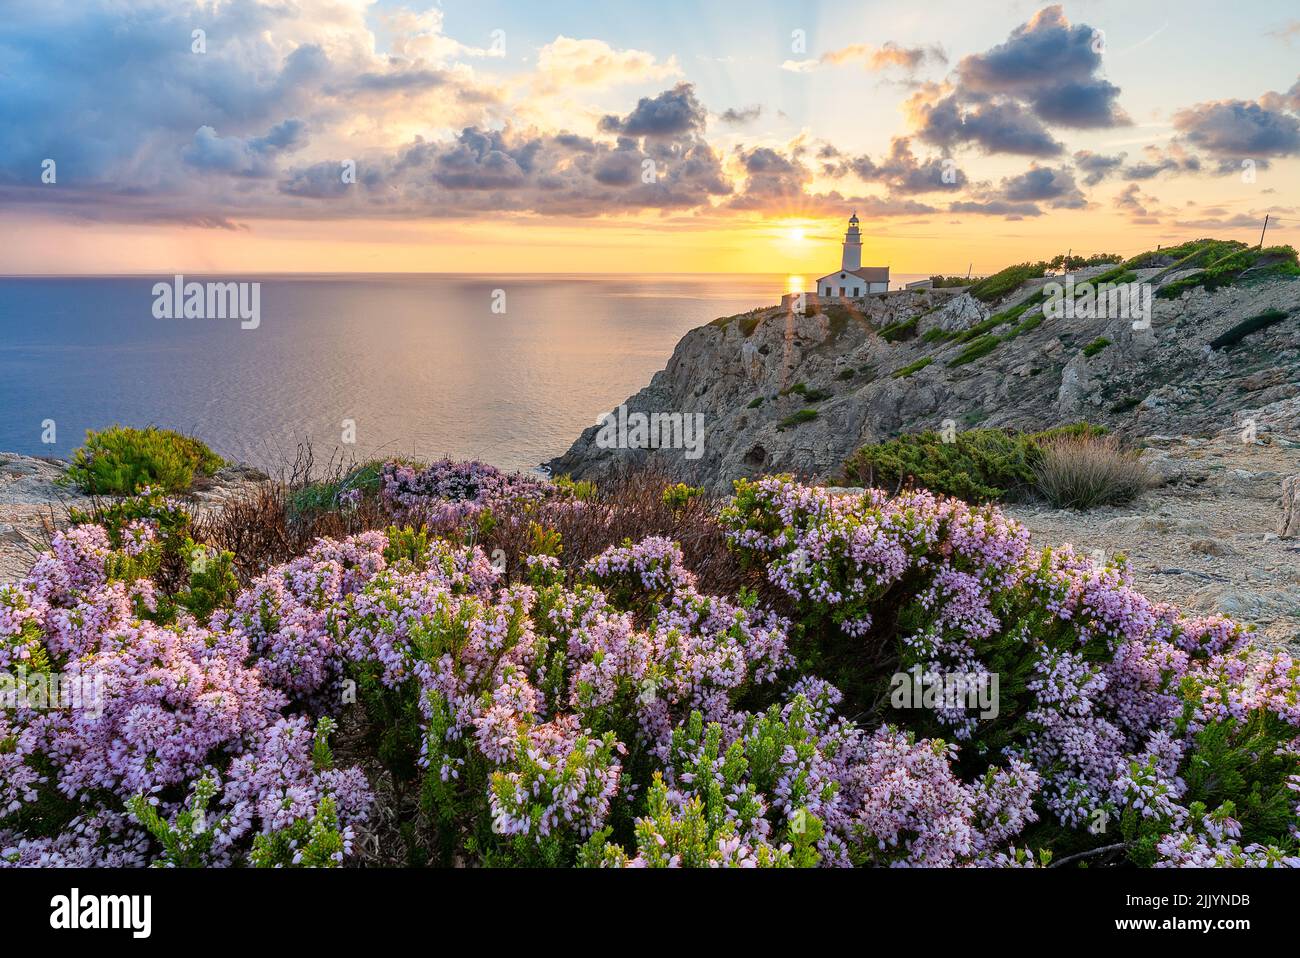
[[581, 489], [1062, 261], [937, 335], [899, 331], [307, 843], [172, 520], [677, 496], [325, 495], [212, 583], [978, 465], [1247, 326], [723, 800], [121, 461], [755, 402], [1096, 346], [186, 840], [978, 348], [406, 544], [1006, 281], [1237, 265], [810, 395], [911, 368], [845, 375], [544, 541], [798, 418], [950, 282], [1001, 319]]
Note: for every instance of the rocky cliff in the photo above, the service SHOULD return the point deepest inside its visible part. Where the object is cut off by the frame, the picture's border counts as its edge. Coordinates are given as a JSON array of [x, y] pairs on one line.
[[785, 392]]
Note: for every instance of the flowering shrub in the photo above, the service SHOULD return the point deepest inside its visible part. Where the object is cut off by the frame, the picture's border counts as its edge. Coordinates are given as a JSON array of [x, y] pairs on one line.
[[164, 712], [605, 711], [445, 490]]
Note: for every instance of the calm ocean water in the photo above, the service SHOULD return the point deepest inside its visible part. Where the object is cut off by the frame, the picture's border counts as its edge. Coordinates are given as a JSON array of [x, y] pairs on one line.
[[419, 362]]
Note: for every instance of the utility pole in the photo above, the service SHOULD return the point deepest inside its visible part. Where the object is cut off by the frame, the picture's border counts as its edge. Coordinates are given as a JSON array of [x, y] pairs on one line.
[[1265, 230]]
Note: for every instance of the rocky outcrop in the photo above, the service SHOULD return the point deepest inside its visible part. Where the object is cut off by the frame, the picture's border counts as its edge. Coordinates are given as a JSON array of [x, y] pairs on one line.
[[1288, 525], [783, 392]]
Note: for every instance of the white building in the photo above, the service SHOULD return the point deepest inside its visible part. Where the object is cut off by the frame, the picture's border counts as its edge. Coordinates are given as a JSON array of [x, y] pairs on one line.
[[853, 279]]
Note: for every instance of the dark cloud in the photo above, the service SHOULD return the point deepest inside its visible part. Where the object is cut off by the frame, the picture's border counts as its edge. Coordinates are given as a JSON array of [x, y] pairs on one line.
[[738, 117], [1012, 211], [900, 170], [1095, 167], [672, 113], [1051, 65], [254, 156], [995, 126], [1054, 186], [1239, 128], [1046, 74]]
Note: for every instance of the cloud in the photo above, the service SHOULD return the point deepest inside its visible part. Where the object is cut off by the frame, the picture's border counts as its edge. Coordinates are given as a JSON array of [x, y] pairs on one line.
[[254, 156], [1054, 186], [565, 63], [1012, 211], [1132, 201], [1216, 219], [1232, 129], [1287, 31], [995, 126], [872, 58], [1096, 166], [900, 170], [1051, 65], [1046, 74], [671, 113], [739, 117]]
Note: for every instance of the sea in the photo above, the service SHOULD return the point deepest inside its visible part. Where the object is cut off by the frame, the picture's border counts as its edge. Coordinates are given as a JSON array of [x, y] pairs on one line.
[[507, 369]]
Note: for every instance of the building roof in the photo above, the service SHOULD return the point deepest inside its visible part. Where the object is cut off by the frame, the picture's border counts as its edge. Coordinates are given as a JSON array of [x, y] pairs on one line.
[[871, 274]]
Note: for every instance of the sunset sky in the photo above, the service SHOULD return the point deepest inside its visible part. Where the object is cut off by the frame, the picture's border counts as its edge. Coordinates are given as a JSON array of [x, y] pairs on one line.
[[503, 137]]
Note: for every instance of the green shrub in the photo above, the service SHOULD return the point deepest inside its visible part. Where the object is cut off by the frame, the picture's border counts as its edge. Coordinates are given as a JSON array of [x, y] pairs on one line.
[[325, 495], [581, 489], [677, 496], [952, 282], [811, 395], [172, 520], [978, 465], [1243, 329], [121, 461], [899, 331], [911, 368], [1096, 346], [755, 402], [936, 335], [797, 419], [212, 582], [845, 375], [1236, 265], [1006, 281], [980, 347]]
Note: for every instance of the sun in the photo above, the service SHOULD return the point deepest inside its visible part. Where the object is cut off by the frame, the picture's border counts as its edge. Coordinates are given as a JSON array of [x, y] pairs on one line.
[[795, 234]]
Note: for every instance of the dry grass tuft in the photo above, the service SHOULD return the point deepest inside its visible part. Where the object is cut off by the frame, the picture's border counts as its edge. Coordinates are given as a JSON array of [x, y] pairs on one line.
[[1084, 472]]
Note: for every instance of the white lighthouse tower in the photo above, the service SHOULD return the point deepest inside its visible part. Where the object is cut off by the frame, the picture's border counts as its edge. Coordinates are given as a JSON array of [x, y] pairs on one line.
[[852, 246], [853, 280]]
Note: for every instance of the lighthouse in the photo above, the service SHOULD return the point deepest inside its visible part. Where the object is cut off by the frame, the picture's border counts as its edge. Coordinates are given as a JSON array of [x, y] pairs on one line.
[[852, 246], [853, 280]]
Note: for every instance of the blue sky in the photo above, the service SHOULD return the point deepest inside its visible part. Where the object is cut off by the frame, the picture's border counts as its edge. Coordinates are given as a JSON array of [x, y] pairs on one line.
[[1101, 125]]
